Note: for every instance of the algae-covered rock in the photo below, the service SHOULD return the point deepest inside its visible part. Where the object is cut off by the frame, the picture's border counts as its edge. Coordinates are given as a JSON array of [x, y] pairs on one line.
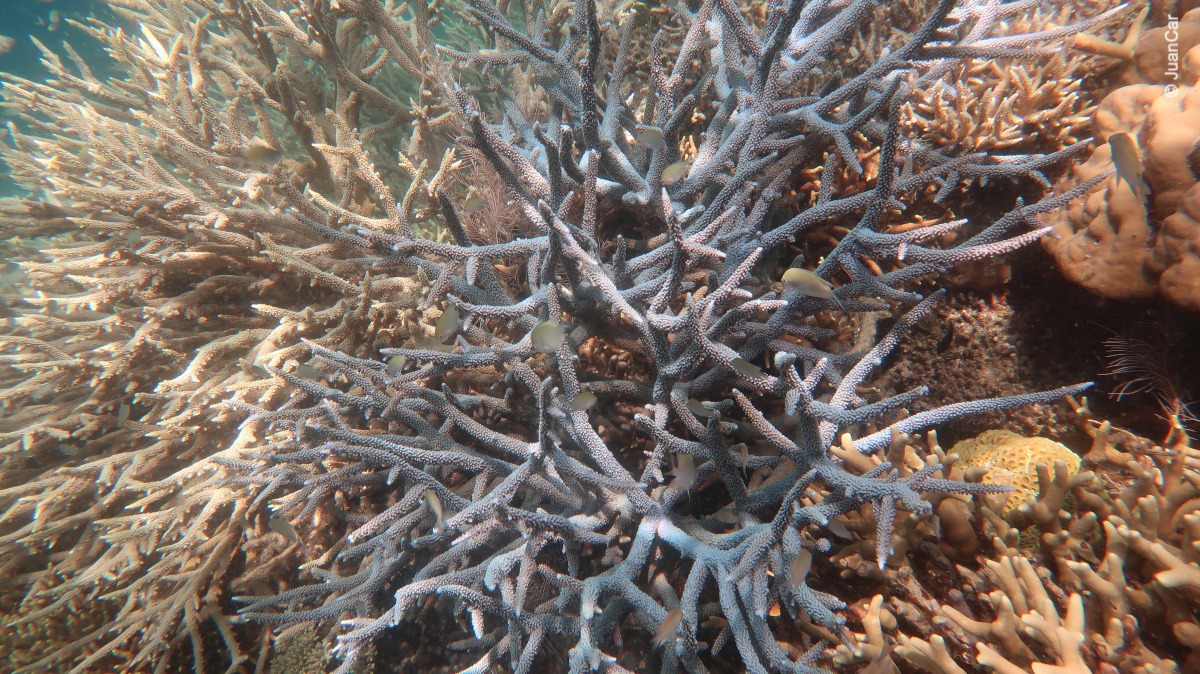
[[306, 651]]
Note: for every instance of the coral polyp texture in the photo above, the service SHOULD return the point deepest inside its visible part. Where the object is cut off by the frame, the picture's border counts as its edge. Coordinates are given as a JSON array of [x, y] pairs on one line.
[[1012, 460], [559, 321]]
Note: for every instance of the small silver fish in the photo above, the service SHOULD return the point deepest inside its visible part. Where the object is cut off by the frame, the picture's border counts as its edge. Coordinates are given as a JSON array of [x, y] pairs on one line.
[[839, 529], [447, 325], [675, 172], [696, 407], [283, 528], [262, 154], [473, 205], [253, 368], [809, 284], [308, 372], [651, 139], [1129, 165], [746, 368], [547, 336], [133, 237], [435, 506], [685, 472], [727, 515], [583, 402], [122, 414], [800, 567], [396, 363], [669, 627]]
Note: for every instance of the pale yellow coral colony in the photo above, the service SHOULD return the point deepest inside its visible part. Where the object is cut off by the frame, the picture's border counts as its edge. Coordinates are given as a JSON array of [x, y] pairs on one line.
[[159, 278]]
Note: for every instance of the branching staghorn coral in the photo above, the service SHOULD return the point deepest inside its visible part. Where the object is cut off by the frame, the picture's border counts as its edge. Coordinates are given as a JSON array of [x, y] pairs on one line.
[[163, 278], [500, 499], [986, 104], [1105, 591]]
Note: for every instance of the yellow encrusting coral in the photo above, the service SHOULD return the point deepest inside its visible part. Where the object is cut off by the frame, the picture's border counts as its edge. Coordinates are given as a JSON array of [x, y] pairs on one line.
[[1012, 460]]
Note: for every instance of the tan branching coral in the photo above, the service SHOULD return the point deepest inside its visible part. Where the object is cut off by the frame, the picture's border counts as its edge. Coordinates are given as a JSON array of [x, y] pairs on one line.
[[989, 104], [1023, 607], [184, 268], [1112, 587], [1004, 105]]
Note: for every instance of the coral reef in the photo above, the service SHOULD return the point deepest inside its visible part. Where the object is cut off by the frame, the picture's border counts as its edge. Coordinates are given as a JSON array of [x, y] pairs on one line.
[[1102, 594], [987, 104], [697, 513], [159, 275], [1111, 242], [570, 331]]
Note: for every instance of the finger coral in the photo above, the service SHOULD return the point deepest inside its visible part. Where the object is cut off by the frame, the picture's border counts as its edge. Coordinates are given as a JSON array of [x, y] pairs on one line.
[[1108, 590]]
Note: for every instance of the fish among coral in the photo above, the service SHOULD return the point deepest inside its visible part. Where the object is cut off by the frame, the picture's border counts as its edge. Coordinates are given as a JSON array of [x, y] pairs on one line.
[[363, 271]]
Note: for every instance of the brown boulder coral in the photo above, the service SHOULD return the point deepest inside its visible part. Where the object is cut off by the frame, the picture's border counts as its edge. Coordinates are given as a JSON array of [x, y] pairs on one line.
[[1152, 54], [1110, 242], [1178, 251]]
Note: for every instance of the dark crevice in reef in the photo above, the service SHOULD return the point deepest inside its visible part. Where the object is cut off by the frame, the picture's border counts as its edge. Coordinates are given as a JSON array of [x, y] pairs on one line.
[[1036, 331]]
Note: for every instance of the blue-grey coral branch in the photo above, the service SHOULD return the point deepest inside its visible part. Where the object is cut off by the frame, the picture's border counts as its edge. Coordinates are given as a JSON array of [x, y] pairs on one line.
[[532, 526]]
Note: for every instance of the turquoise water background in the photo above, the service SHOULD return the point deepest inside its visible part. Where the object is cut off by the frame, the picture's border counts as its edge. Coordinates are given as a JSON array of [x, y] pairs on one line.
[[24, 20]]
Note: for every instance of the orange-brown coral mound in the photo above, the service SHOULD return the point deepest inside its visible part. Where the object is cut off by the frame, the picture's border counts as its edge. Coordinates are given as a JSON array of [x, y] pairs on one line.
[[1111, 242]]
